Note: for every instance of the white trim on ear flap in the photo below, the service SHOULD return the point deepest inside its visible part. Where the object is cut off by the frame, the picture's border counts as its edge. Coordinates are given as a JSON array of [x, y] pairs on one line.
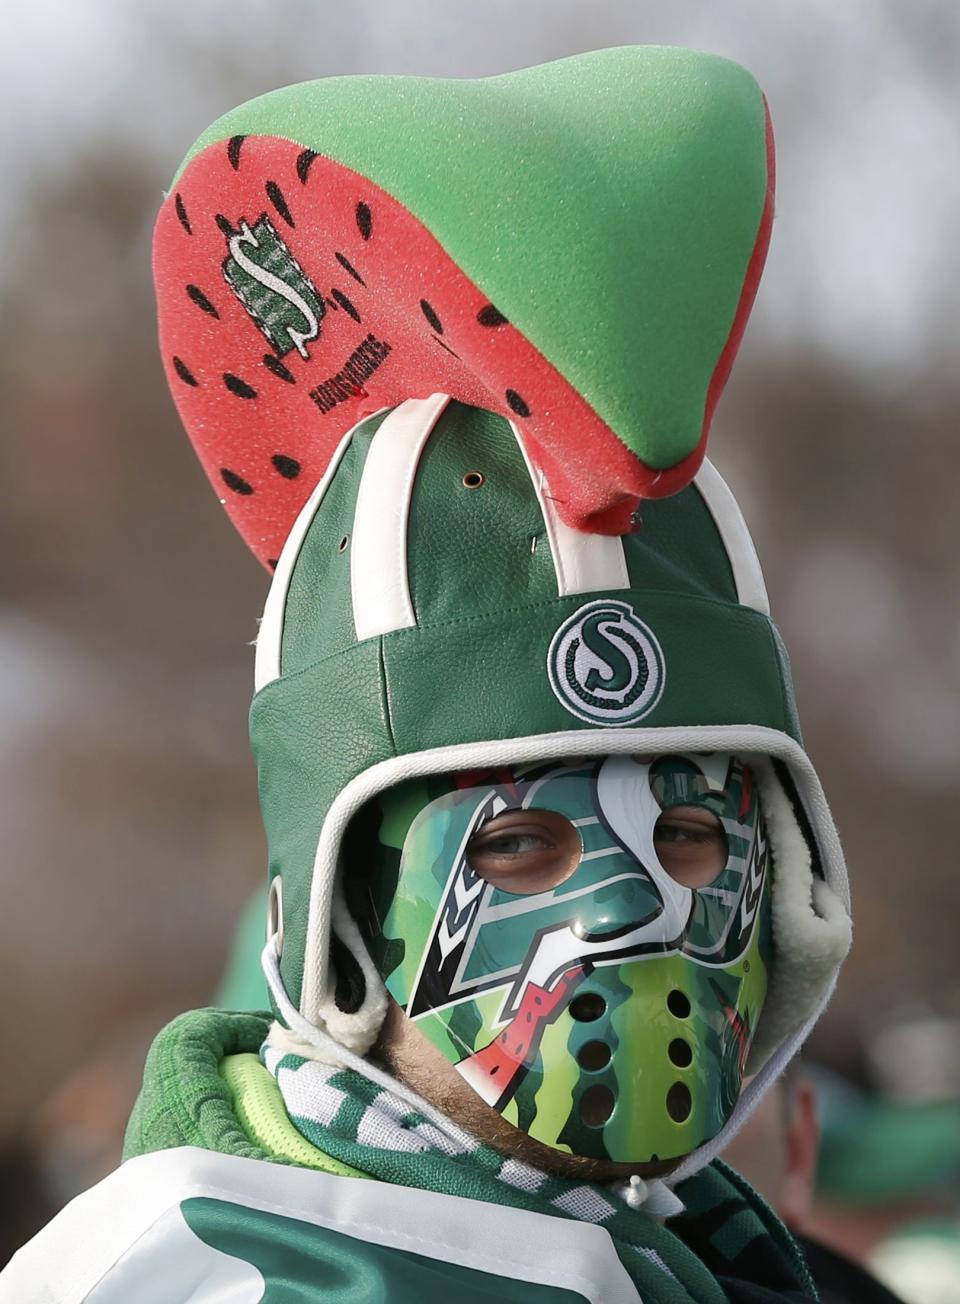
[[811, 925], [359, 1029], [727, 517]]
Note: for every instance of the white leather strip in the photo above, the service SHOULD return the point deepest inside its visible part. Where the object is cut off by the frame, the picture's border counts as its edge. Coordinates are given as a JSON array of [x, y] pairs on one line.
[[111, 1229], [744, 562], [316, 1000], [270, 637], [378, 545], [585, 563]]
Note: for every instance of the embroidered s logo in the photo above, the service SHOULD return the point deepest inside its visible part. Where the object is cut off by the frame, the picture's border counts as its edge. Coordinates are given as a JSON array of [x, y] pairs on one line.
[[273, 287], [605, 665]]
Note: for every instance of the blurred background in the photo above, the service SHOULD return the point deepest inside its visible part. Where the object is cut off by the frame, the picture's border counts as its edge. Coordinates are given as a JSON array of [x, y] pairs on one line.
[[127, 795]]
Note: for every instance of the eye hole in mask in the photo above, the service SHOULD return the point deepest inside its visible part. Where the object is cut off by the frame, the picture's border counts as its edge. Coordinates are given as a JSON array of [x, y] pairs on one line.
[[691, 845], [525, 851]]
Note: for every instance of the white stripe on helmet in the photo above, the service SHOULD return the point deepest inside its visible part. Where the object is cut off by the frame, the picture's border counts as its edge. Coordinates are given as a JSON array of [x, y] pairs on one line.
[[378, 547], [585, 563]]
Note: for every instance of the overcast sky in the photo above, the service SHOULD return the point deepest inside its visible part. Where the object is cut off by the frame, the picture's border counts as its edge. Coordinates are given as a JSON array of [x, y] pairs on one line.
[[864, 97]]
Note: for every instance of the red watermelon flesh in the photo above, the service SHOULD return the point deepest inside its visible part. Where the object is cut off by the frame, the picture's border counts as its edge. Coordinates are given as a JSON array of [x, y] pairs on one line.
[[295, 297], [497, 1069]]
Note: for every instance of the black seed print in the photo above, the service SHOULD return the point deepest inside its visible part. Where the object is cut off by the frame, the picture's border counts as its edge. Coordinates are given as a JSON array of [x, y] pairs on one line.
[[288, 467], [276, 366], [182, 214], [200, 299], [233, 150], [275, 195], [235, 482], [348, 266], [304, 163], [184, 372], [225, 225], [273, 562], [517, 403], [364, 219], [431, 316], [491, 316], [345, 304], [237, 386], [437, 340]]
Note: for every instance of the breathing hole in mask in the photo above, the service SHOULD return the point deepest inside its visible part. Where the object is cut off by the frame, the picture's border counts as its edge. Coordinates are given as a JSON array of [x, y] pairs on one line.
[[679, 1102], [593, 1056], [587, 1007], [678, 1003], [596, 1105], [691, 845], [680, 1053]]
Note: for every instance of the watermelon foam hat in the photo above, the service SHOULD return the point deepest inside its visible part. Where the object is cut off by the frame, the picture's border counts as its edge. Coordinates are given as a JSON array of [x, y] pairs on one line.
[[448, 351]]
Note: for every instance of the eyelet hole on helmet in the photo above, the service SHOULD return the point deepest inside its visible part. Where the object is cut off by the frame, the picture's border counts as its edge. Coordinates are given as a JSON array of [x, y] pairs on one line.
[[680, 1053], [587, 1006], [473, 479], [679, 1102], [596, 1105], [275, 913], [344, 543], [678, 1003], [593, 1056]]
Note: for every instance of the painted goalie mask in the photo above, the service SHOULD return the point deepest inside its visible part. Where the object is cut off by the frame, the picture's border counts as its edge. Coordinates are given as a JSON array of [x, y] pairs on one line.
[[586, 941]]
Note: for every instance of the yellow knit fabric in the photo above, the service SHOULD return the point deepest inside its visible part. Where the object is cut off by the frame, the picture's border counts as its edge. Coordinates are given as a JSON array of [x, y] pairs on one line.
[[260, 1111]]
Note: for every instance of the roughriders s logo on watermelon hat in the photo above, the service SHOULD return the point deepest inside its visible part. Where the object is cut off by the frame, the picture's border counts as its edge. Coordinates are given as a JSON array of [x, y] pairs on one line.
[[443, 465], [605, 665]]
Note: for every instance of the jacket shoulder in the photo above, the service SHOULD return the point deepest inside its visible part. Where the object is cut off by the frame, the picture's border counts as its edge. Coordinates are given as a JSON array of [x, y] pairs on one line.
[[188, 1224]]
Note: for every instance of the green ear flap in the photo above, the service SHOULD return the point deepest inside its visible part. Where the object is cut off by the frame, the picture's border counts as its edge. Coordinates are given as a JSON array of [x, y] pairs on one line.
[[574, 246]]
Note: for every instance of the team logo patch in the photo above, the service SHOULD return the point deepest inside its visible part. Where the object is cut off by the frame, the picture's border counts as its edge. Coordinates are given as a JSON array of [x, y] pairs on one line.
[[605, 665], [275, 290]]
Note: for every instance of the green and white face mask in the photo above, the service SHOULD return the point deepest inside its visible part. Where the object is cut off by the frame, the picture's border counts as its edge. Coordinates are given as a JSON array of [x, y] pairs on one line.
[[586, 942]]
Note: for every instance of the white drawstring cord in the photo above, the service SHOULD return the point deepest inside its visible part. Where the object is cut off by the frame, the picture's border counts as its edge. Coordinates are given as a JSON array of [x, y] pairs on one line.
[[333, 1051], [653, 1197]]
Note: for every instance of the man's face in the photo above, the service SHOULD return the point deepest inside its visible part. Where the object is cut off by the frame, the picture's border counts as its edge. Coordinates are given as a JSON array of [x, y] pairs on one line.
[[586, 942]]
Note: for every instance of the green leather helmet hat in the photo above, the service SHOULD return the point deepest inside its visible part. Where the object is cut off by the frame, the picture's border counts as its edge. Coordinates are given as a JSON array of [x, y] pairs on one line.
[[445, 348], [424, 633]]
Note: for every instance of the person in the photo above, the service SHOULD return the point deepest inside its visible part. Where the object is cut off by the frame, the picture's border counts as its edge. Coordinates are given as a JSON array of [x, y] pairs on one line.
[[550, 870], [779, 1152]]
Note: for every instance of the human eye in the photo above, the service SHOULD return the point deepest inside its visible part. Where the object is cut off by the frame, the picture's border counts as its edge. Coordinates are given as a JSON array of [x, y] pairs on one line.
[[525, 851], [690, 844], [511, 844]]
